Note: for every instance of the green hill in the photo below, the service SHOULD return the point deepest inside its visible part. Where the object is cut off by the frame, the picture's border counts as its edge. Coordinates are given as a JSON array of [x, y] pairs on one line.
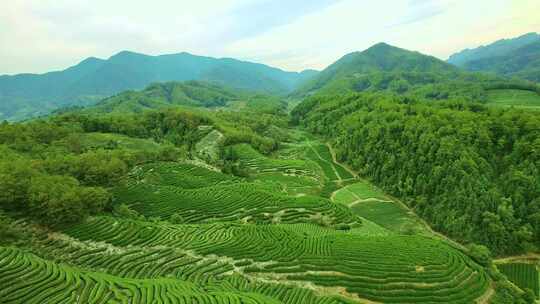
[[387, 68], [188, 93], [517, 57], [27, 95]]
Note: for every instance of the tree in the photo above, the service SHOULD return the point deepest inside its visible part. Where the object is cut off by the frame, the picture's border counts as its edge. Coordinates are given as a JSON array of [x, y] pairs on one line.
[[176, 218], [15, 179], [57, 199], [480, 254], [125, 211]]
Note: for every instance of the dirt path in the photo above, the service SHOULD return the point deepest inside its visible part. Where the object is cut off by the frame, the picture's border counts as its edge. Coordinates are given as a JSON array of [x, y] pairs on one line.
[[334, 159], [370, 199], [484, 299], [524, 258], [340, 180]]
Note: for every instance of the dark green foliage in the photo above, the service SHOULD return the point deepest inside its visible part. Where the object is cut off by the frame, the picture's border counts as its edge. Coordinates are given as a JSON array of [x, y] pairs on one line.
[[179, 127], [52, 199], [60, 199], [472, 172], [100, 167], [480, 254], [343, 227], [176, 218], [9, 234], [124, 211]]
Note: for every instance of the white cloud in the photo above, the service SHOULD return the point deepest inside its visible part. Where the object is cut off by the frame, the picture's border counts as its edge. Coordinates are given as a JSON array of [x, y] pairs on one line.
[[42, 35], [437, 27]]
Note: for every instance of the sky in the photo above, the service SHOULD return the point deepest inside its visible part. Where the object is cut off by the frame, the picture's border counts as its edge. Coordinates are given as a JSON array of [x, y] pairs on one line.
[[38, 36]]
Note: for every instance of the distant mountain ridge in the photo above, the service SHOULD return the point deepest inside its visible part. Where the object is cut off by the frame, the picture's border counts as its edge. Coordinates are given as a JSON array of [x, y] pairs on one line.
[[27, 95], [498, 48], [517, 57]]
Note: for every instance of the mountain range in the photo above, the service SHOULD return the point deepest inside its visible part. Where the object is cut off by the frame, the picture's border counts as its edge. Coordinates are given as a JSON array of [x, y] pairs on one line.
[[27, 95], [381, 67], [518, 57]]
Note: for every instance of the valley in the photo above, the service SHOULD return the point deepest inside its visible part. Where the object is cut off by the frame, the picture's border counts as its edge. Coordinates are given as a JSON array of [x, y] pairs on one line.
[[388, 177]]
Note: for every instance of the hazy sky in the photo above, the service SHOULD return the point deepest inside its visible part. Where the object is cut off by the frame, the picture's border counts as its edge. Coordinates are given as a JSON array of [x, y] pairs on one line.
[[45, 35]]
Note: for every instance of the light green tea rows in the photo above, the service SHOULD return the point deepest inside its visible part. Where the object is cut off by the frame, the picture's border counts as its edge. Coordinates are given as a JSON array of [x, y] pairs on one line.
[[199, 195], [25, 278], [392, 269]]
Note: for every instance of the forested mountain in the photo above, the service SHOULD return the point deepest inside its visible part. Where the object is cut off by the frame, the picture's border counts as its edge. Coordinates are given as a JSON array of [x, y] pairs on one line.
[[27, 95], [387, 68], [517, 57]]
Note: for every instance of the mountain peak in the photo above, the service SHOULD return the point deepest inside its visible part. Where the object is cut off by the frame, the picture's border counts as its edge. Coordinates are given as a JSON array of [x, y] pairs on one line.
[[530, 35], [127, 54], [90, 60], [381, 46], [348, 72]]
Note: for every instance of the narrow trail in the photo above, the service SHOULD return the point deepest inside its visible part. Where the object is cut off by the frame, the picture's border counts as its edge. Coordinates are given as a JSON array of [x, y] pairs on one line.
[[531, 257], [334, 159], [486, 297], [370, 199], [340, 180]]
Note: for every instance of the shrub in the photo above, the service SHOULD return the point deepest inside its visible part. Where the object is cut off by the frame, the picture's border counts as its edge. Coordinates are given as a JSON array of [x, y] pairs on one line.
[[343, 227], [123, 210], [176, 218], [480, 254]]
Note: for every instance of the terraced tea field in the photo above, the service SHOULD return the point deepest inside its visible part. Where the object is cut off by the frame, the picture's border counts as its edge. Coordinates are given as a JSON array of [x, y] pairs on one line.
[[248, 263], [202, 236], [514, 98], [372, 204], [524, 275]]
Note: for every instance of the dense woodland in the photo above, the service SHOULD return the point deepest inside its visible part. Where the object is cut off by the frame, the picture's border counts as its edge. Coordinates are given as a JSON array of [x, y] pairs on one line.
[[471, 171]]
